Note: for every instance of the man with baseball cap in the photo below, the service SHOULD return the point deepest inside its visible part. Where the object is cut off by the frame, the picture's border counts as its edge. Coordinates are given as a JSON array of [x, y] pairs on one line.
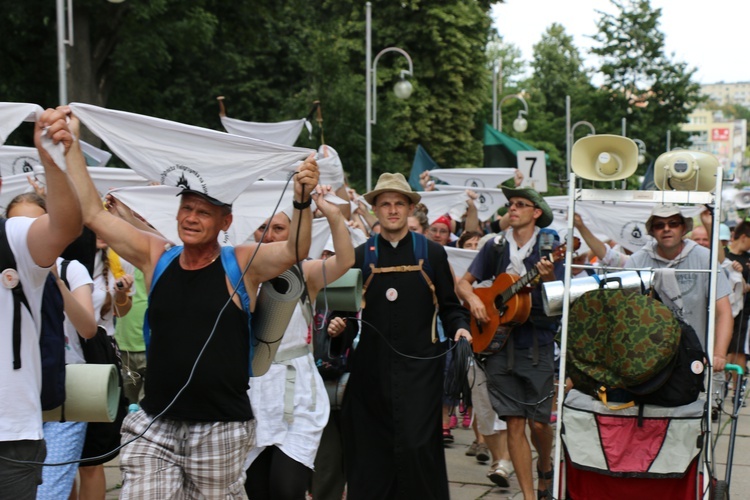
[[391, 415], [520, 370], [685, 293]]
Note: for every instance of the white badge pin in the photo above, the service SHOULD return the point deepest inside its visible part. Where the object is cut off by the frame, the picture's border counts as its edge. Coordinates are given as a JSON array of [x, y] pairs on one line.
[[696, 367], [391, 294], [10, 278]]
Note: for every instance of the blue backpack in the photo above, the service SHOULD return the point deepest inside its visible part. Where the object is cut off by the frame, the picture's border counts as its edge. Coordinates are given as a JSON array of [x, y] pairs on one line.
[[233, 272], [52, 338]]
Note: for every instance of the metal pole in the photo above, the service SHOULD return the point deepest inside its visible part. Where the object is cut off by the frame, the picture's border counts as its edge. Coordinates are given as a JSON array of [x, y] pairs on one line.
[[669, 140], [62, 63], [567, 137], [624, 127], [368, 96], [497, 87]]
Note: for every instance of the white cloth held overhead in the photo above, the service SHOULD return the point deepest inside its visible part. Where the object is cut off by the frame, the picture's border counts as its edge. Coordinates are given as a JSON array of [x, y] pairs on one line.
[[488, 201], [13, 113], [472, 178], [285, 132], [214, 163], [444, 202]]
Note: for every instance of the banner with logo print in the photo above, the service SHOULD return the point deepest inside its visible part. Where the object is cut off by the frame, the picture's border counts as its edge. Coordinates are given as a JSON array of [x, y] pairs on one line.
[[444, 202], [623, 222], [473, 177], [329, 164], [488, 201], [16, 160], [217, 164], [11, 186]]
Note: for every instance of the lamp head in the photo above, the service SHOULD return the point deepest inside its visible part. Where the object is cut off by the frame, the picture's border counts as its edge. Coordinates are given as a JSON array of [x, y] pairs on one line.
[[685, 170], [520, 124], [403, 88]]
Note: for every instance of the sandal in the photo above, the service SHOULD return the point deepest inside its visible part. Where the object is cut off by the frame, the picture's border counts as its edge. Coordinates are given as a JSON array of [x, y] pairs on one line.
[[547, 477], [499, 474]]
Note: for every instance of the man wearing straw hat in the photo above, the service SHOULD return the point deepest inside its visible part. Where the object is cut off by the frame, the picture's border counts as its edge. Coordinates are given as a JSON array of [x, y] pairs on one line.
[[391, 415], [200, 342]]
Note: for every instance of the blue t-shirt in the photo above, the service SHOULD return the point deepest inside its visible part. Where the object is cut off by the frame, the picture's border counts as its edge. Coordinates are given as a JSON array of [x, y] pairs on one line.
[[544, 327]]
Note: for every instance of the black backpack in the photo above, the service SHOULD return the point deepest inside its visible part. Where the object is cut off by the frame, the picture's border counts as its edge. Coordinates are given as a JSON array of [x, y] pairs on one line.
[[52, 338]]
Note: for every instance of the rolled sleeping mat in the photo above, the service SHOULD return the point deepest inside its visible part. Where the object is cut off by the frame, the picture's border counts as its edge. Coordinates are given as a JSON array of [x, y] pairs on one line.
[[344, 294], [92, 394], [277, 299], [552, 291]]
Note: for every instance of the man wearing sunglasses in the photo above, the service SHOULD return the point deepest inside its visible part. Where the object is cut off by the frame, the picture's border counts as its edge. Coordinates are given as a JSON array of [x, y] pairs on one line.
[[685, 293], [520, 374]]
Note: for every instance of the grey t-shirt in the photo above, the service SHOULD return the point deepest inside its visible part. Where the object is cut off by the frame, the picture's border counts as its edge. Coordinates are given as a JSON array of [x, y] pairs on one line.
[[694, 287]]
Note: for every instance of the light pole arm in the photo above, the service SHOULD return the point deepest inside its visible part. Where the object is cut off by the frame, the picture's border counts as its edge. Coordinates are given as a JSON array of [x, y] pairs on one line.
[[374, 78], [525, 110]]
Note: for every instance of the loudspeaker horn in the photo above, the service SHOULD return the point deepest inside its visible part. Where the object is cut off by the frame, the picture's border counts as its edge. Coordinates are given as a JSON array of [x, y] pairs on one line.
[[685, 170], [604, 157], [742, 199]]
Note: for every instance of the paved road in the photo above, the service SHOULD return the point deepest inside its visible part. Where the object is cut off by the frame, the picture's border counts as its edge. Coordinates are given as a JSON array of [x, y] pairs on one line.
[[468, 481]]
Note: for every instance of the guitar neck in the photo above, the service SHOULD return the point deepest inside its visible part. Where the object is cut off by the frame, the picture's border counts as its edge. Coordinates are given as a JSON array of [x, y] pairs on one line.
[[521, 283]]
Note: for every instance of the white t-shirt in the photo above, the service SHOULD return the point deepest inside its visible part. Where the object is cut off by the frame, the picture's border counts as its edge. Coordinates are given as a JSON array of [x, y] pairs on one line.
[[77, 276], [21, 409]]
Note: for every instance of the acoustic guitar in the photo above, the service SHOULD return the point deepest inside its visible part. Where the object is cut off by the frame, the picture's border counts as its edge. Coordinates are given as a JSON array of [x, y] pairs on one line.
[[508, 303]]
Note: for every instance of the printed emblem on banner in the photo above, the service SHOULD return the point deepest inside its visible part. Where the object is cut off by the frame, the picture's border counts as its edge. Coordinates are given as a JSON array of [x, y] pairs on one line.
[[10, 278], [484, 201], [391, 294], [24, 164], [184, 177], [634, 233], [474, 182]]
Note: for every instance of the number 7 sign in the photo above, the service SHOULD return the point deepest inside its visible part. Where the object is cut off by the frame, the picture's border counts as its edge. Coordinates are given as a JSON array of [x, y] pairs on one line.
[[534, 169]]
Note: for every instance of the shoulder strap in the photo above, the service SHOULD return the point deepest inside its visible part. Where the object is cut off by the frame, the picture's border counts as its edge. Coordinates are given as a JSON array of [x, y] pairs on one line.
[[166, 258], [234, 273], [8, 262], [64, 272], [369, 263]]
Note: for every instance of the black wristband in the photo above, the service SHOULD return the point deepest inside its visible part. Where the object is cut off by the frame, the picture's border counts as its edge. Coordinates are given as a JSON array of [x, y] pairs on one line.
[[301, 205]]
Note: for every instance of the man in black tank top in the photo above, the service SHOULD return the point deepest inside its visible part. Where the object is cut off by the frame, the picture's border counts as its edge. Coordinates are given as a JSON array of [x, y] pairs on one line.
[[198, 446]]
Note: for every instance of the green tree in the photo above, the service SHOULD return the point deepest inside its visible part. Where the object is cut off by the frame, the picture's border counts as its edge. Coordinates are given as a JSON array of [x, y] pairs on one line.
[[558, 71], [641, 82]]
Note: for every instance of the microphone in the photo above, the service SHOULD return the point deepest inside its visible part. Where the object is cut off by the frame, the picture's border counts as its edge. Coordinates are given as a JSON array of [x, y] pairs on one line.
[[546, 241]]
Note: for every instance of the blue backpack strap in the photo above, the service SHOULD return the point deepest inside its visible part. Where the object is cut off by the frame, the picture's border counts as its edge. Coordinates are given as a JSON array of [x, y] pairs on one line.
[[166, 258], [234, 273], [419, 245]]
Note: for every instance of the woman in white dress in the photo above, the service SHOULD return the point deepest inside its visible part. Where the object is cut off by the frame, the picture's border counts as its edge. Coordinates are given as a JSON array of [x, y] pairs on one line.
[[289, 402]]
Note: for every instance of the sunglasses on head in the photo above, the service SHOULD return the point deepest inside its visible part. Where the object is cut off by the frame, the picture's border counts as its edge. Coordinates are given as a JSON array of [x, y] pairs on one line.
[[658, 226]]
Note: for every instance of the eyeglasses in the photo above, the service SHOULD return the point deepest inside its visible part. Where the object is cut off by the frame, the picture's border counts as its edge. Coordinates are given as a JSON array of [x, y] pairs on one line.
[[438, 230], [658, 226], [519, 204]]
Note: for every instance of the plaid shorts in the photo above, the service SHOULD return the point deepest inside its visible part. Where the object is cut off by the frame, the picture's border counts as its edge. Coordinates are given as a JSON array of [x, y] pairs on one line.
[[177, 459]]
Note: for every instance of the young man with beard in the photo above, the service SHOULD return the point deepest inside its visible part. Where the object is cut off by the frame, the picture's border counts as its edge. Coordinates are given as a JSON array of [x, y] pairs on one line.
[[391, 418]]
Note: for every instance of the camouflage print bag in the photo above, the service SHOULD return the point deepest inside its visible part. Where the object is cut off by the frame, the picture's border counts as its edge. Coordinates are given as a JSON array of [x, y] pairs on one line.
[[619, 339]]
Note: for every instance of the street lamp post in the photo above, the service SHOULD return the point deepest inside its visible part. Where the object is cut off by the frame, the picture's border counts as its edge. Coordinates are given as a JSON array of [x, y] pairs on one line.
[[519, 124], [569, 133], [65, 27], [402, 89]]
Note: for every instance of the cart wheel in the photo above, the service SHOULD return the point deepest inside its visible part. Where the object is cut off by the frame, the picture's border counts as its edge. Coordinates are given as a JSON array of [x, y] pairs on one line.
[[721, 491]]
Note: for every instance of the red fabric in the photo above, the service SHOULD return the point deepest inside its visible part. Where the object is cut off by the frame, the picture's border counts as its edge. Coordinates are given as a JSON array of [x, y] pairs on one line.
[[628, 447], [443, 219], [587, 485]]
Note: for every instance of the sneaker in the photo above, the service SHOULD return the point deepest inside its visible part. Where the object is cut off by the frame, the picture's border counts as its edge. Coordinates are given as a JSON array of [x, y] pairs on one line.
[[500, 473], [466, 421], [483, 453], [454, 421], [471, 451], [447, 436]]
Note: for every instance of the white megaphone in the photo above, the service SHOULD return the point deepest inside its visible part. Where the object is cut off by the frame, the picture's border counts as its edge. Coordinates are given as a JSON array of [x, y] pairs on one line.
[[684, 170], [604, 157], [742, 199]]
